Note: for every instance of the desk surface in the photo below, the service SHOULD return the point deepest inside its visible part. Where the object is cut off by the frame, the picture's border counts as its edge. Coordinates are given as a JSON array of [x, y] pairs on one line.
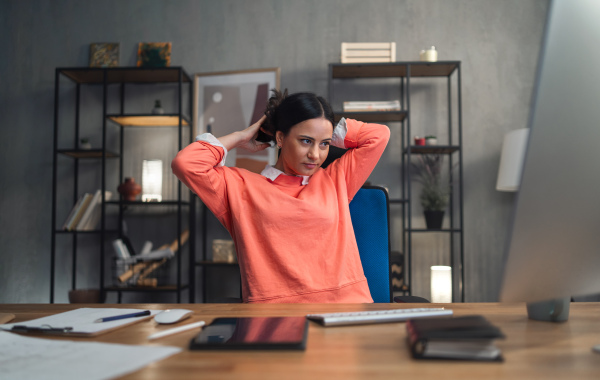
[[532, 349]]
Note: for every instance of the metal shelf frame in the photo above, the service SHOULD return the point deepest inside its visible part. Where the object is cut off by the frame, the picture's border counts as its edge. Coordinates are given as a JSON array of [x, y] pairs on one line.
[[120, 76], [406, 71]]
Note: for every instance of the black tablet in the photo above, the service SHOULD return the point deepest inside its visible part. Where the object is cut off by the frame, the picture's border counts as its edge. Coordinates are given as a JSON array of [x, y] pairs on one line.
[[253, 333]]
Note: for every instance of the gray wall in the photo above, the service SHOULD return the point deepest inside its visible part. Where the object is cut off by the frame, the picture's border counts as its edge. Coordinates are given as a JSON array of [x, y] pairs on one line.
[[497, 42]]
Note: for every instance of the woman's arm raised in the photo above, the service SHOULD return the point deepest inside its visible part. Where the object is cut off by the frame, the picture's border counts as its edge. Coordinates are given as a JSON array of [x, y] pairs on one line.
[[198, 166]]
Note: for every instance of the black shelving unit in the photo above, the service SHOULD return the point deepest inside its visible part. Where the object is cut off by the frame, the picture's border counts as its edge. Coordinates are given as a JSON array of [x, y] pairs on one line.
[[107, 78], [405, 72], [203, 263]]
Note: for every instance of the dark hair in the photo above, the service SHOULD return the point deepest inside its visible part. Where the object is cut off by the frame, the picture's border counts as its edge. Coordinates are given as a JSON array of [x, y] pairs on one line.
[[284, 111]]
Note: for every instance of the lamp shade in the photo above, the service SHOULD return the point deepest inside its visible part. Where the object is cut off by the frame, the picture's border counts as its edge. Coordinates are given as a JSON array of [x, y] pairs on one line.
[[511, 160], [152, 180], [441, 284]]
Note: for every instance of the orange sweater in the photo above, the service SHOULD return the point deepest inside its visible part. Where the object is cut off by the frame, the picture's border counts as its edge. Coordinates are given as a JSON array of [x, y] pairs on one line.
[[294, 242]]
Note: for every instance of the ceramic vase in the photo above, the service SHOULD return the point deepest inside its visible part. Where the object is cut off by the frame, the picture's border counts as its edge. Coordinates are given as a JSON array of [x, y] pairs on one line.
[[129, 189]]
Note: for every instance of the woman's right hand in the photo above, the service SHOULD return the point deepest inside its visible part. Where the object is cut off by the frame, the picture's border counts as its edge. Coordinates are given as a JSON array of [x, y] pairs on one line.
[[249, 135]]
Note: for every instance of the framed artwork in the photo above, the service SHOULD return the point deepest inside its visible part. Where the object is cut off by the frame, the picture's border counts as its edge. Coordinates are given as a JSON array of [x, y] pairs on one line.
[[229, 101], [154, 54], [104, 54]]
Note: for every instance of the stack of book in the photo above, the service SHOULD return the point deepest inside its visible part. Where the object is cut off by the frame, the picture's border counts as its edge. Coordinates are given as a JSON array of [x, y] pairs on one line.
[[463, 338], [370, 106], [85, 215]]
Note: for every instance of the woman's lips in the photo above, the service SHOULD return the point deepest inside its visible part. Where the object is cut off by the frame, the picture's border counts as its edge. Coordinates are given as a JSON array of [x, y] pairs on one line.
[[310, 166]]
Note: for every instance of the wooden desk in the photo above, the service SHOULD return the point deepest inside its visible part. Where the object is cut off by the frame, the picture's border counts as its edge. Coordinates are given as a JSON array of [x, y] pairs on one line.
[[532, 350]]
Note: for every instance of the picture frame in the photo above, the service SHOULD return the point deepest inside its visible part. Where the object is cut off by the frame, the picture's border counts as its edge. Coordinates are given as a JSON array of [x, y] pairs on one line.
[[229, 101], [154, 54], [104, 54]]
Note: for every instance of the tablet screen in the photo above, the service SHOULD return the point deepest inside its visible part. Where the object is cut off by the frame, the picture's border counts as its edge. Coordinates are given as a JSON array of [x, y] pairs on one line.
[[253, 333]]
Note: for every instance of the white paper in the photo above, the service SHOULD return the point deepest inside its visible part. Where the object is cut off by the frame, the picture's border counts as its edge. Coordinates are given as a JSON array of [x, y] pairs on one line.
[[27, 358], [82, 320]]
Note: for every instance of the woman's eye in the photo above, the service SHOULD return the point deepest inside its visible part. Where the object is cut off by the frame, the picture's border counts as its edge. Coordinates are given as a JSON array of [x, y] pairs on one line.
[[305, 141]]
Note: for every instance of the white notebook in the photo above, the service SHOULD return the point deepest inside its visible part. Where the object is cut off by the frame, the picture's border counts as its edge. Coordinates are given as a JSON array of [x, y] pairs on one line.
[[80, 322]]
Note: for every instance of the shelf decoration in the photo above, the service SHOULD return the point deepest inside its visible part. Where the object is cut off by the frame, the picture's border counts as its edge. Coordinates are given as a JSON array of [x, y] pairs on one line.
[[435, 193], [429, 55], [355, 52], [154, 54], [231, 101], [223, 251], [441, 284], [85, 144], [129, 189], [157, 110], [430, 140], [152, 180], [104, 54]]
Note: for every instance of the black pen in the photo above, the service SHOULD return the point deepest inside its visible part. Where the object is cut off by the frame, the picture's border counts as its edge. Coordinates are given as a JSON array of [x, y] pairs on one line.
[[51, 330], [123, 316]]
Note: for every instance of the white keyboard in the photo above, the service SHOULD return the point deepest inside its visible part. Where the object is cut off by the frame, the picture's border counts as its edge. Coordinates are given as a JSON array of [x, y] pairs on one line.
[[376, 316]]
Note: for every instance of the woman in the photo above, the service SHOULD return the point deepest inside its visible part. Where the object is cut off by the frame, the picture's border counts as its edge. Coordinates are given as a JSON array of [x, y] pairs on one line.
[[291, 224]]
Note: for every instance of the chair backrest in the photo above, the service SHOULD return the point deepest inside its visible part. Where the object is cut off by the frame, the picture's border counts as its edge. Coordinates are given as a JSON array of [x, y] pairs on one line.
[[369, 211]]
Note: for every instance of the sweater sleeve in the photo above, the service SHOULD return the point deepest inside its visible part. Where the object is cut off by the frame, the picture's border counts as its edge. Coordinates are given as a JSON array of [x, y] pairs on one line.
[[199, 167], [365, 143]]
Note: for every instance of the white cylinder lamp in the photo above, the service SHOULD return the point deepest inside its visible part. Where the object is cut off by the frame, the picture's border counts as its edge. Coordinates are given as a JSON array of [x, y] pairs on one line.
[[441, 284], [512, 159], [152, 181]]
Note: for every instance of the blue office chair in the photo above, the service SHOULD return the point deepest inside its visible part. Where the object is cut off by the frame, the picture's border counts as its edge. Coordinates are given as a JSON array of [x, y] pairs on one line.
[[369, 211]]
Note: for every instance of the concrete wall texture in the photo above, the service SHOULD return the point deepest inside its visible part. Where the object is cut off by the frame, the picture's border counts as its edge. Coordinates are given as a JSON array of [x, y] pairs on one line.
[[497, 42]]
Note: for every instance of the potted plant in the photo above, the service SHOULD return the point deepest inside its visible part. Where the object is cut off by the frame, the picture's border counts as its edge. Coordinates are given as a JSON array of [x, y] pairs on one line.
[[435, 193], [430, 140]]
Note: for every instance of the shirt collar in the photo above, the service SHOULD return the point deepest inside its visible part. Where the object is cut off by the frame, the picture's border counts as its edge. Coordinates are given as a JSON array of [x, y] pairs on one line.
[[272, 173]]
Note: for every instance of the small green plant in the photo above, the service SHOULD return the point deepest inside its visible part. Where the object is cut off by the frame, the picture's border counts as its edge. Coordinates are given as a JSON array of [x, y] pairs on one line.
[[427, 170]]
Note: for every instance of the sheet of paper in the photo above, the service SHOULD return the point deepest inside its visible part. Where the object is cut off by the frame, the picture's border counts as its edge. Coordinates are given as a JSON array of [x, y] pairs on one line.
[[27, 358], [82, 320]]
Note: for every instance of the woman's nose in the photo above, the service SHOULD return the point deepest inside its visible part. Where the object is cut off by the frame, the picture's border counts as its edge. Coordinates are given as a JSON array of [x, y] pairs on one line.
[[313, 152]]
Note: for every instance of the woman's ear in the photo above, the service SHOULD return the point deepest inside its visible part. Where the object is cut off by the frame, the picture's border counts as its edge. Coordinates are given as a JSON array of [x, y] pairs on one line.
[[279, 138]]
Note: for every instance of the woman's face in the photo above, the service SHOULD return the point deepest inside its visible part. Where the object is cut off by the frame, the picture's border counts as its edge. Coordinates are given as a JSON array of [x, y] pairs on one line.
[[305, 147]]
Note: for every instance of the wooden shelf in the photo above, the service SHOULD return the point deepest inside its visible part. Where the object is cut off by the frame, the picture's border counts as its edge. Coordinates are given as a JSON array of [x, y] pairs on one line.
[[86, 232], [164, 288], [432, 149], [373, 116], [91, 75], [393, 69], [91, 153], [150, 203], [433, 230], [216, 263], [148, 120]]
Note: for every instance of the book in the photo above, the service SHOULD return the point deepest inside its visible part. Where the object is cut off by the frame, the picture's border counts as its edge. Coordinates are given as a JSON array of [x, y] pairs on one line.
[[77, 212], [72, 213], [91, 217], [392, 105], [464, 338]]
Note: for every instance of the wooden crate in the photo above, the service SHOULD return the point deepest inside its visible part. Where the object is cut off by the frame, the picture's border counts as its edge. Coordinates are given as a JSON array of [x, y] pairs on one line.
[[355, 52]]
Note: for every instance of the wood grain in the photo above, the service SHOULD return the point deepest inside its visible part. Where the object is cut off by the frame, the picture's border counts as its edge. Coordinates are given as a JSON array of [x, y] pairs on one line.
[[532, 349]]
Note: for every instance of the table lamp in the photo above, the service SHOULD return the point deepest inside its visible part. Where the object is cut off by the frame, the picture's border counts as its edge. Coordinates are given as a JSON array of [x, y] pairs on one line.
[[441, 284], [511, 160], [152, 181]]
